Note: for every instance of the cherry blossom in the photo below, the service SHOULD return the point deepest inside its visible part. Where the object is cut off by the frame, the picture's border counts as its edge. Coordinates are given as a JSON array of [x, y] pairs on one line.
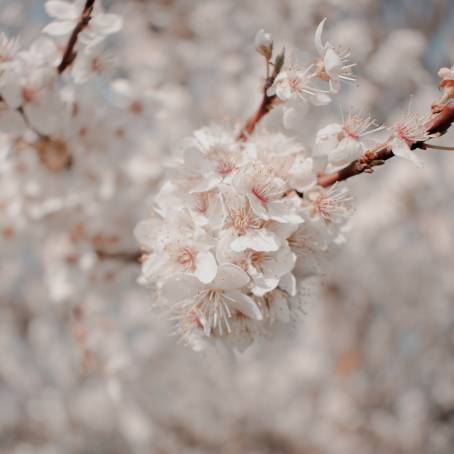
[[350, 137], [334, 65], [408, 130]]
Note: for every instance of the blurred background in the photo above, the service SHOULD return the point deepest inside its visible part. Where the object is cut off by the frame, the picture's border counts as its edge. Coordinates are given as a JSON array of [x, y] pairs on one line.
[[87, 367]]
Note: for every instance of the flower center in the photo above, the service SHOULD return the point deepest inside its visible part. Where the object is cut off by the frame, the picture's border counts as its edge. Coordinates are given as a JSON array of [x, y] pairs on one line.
[[186, 258], [260, 193], [349, 133]]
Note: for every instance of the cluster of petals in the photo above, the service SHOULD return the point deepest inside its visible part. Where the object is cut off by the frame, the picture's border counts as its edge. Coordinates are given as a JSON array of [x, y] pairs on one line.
[[231, 236]]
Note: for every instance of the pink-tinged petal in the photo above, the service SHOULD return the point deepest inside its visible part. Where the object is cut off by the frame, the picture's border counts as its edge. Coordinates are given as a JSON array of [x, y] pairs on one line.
[[318, 38], [12, 122], [402, 150], [59, 28], [230, 277], [206, 267], [260, 240], [180, 287], [328, 132], [245, 305], [106, 24], [257, 207], [62, 10], [280, 308]]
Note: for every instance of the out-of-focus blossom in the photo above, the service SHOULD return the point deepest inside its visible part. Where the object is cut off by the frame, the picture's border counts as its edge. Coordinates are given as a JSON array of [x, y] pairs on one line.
[[67, 15]]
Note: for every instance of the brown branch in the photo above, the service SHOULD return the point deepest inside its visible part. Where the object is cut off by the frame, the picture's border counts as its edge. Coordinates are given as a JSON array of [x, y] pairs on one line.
[[267, 102], [129, 257], [265, 106], [70, 54], [377, 156]]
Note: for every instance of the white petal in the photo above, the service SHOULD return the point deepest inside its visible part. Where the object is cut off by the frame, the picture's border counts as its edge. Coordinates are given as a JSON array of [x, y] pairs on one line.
[[230, 277], [59, 28], [180, 287], [283, 91], [282, 263], [42, 117], [291, 118], [258, 240], [280, 308], [333, 63], [402, 150], [288, 284], [320, 99], [284, 211], [328, 132], [62, 10], [106, 24], [347, 150], [154, 264], [206, 267], [245, 305], [318, 38], [302, 175], [11, 91], [12, 122]]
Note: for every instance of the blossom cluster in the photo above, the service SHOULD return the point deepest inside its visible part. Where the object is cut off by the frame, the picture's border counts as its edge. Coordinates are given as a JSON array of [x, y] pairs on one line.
[[230, 234], [242, 218], [239, 224]]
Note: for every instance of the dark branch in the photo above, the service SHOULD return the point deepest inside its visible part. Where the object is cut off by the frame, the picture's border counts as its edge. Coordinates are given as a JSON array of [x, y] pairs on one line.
[[70, 54], [128, 257]]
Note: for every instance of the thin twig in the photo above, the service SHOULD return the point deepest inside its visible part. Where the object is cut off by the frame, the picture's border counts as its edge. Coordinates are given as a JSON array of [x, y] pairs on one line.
[[70, 54], [268, 101], [439, 147], [265, 106]]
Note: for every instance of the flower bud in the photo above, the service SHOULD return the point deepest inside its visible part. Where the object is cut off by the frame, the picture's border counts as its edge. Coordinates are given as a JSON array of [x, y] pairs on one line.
[[264, 43], [446, 84]]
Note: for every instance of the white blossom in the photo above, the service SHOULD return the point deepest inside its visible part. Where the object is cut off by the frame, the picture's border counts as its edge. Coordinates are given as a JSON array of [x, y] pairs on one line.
[[351, 138], [334, 65], [408, 130], [68, 14]]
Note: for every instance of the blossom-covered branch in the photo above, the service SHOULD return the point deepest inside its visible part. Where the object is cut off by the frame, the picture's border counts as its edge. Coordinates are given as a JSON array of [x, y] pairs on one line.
[[379, 154]]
